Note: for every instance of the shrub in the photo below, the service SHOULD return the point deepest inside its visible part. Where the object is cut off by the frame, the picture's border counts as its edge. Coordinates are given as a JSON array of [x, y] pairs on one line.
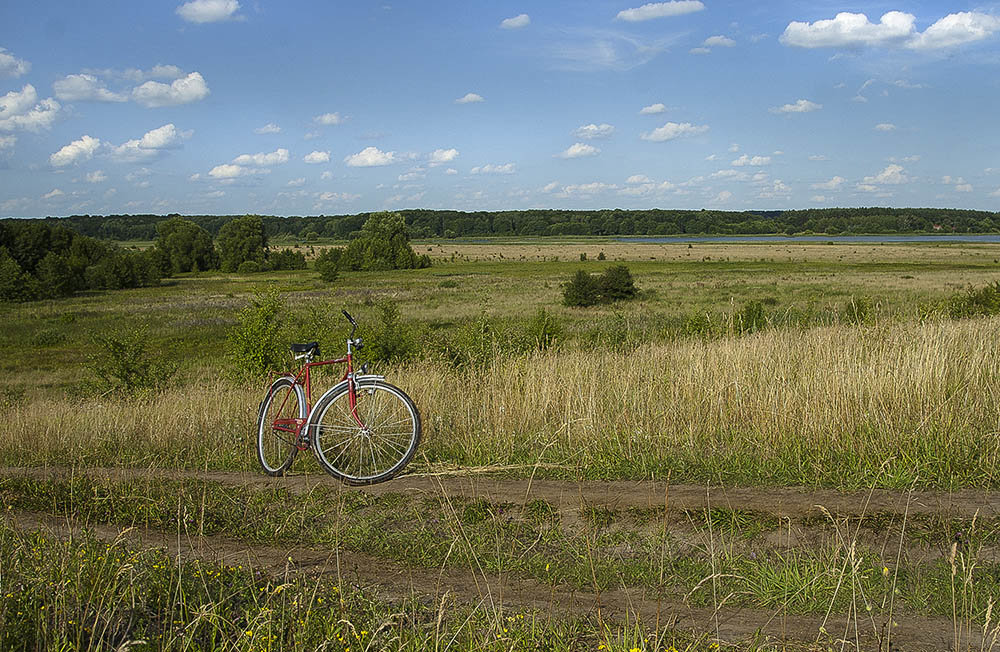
[[183, 246], [543, 330], [858, 310], [123, 363], [751, 318], [616, 284], [581, 290], [975, 302], [248, 267], [383, 244], [241, 240], [389, 339], [286, 259], [328, 264], [255, 345]]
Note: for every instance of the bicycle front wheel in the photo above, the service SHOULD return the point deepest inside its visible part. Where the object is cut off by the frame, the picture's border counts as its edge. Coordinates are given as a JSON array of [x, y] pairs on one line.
[[276, 426], [371, 443]]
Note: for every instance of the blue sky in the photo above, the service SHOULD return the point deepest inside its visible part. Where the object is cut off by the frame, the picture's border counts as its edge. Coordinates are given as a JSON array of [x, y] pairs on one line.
[[304, 108]]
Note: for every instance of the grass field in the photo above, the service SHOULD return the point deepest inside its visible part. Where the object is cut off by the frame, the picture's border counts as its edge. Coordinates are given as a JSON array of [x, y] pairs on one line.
[[772, 371]]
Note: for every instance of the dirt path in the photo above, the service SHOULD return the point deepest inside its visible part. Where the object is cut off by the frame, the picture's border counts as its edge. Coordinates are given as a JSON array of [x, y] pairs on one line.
[[782, 502], [392, 581]]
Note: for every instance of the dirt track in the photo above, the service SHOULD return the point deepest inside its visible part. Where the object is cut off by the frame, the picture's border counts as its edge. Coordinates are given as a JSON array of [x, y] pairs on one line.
[[395, 581]]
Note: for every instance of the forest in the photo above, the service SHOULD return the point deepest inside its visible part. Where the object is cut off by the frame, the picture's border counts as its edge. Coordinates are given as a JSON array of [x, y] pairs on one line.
[[429, 223]]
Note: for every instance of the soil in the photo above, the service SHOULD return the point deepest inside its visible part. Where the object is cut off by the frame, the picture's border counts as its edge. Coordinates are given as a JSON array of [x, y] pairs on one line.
[[729, 624]]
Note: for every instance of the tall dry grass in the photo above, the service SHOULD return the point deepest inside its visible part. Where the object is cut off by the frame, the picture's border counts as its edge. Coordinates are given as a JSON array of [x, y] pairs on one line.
[[844, 406]]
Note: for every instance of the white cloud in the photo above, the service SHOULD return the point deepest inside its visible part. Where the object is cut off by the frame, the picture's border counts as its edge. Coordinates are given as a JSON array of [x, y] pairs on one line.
[[960, 184], [735, 147], [232, 171], [638, 178], [963, 187], [819, 199], [208, 11], [660, 10], [956, 29], [755, 161], [800, 106], [653, 109], [578, 150], [152, 144], [672, 130], [328, 119], [517, 22], [451, 171], [11, 66], [506, 168], [317, 156], [296, 183], [7, 142], [777, 188], [336, 197], [269, 128], [728, 174], [97, 176], [84, 87], [719, 42], [722, 197], [885, 126], [832, 184], [549, 187], [893, 174], [470, 98], [277, 157], [442, 156], [22, 110], [586, 189], [819, 157], [180, 91], [699, 50], [370, 157], [76, 151], [55, 192], [894, 29], [590, 131]]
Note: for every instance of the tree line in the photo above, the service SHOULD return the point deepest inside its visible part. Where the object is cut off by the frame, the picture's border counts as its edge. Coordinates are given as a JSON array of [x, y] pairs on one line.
[[427, 223]]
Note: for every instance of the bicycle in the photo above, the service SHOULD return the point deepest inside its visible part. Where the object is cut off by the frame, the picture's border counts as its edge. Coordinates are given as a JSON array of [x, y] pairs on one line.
[[362, 430]]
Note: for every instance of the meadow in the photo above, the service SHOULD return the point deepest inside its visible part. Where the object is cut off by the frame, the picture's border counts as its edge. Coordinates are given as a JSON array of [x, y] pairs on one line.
[[830, 372]]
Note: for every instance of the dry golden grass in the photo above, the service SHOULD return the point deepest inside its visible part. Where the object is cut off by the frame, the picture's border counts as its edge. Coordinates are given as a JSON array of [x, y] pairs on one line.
[[839, 405]]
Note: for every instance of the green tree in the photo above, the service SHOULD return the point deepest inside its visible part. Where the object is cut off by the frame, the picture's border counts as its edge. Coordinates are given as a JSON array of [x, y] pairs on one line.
[[328, 264], [241, 240], [184, 246], [56, 276], [616, 284], [383, 244], [581, 290]]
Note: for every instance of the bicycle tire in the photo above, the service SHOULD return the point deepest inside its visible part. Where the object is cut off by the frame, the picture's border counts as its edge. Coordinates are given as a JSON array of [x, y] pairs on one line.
[[379, 451], [276, 448]]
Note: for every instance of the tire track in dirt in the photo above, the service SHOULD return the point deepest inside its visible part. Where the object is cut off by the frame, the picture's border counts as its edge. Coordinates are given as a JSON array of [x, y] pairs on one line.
[[782, 502], [393, 582]]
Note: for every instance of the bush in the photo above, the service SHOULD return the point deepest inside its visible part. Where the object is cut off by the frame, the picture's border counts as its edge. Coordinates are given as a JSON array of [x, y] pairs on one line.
[[543, 330], [286, 259], [388, 339], [751, 318], [248, 267], [581, 290], [241, 240], [328, 264], [858, 310], [123, 363], [383, 244], [616, 284], [976, 302], [255, 345]]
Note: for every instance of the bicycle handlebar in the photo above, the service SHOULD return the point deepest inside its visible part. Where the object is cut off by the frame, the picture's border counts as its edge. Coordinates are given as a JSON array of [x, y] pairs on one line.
[[354, 324]]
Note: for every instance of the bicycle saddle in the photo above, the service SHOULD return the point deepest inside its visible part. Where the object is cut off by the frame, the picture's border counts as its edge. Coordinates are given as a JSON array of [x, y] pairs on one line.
[[306, 348]]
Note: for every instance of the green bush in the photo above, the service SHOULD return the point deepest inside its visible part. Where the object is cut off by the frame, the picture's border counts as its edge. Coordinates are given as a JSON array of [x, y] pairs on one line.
[[241, 240], [286, 259], [387, 338], [858, 310], [975, 302], [581, 290], [383, 244], [255, 344], [327, 263], [616, 284], [544, 330], [751, 318], [123, 363], [248, 267]]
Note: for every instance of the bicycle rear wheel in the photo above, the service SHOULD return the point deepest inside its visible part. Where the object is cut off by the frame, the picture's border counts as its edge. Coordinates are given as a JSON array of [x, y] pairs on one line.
[[377, 448], [276, 446]]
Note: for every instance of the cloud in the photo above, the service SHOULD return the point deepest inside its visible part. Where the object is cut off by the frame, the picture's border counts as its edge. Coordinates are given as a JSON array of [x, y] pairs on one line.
[[819, 157], [328, 119], [777, 188], [317, 156], [208, 11], [442, 156], [7, 142], [672, 130], [699, 50], [22, 110], [370, 157], [591, 131], [296, 183], [232, 171], [277, 157], [269, 128], [646, 189], [719, 42], [956, 29], [755, 161], [11, 66], [76, 151], [586, 189], [336, 197], [653, 109], [579, 150], [894, 29], [832, 184], [722, 197], [638, 178], [152, 144], [517, 22], [470, 98], [800, 106], [55, 192], [451, 171], [506, 168], [893, 174], [181, 91], [97, 176], [659, 10], [960, 184], [885, 126], [86, 88]]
